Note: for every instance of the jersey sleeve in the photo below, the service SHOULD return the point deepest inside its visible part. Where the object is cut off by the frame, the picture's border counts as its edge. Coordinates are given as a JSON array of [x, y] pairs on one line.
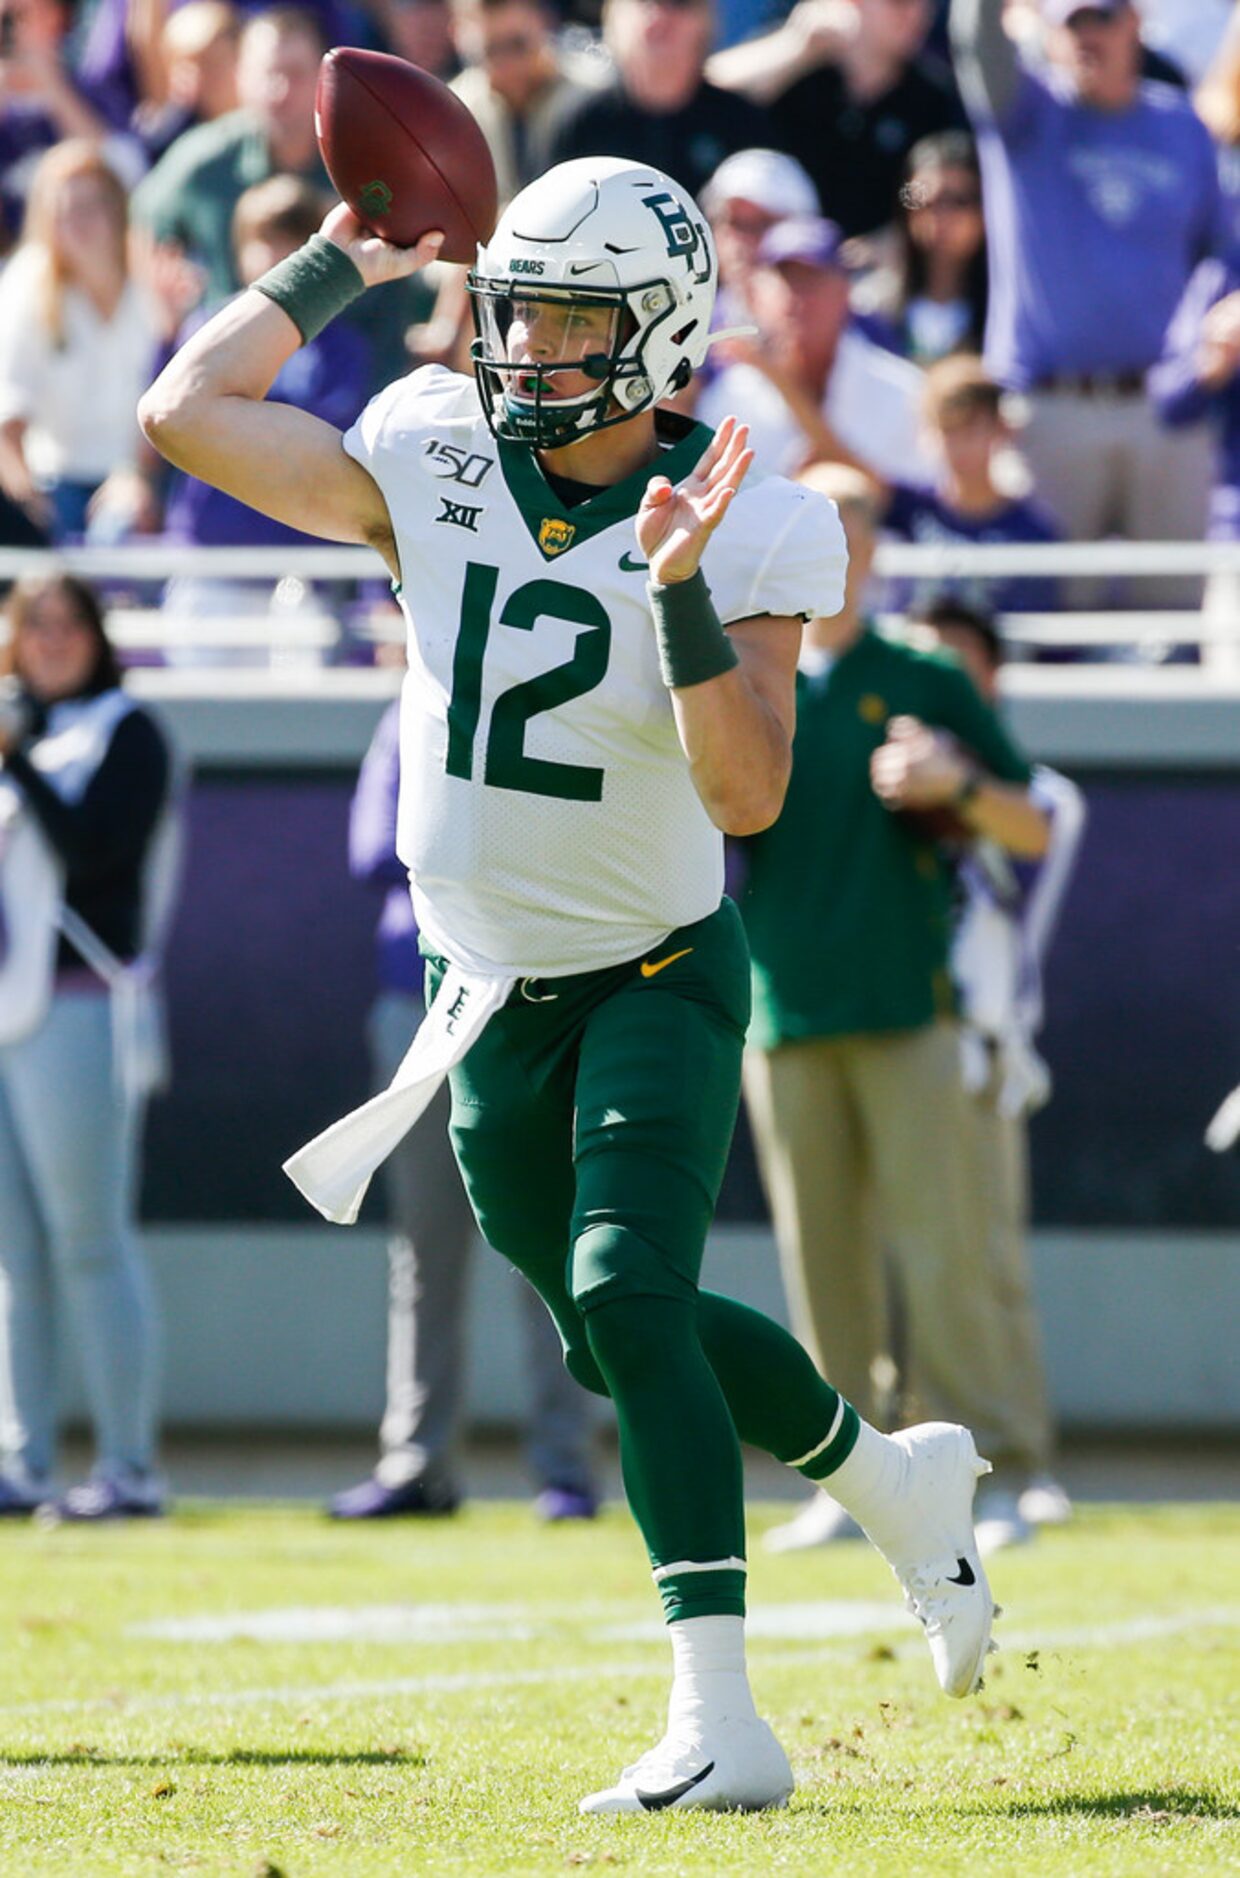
[[781, 551], [397, 420]]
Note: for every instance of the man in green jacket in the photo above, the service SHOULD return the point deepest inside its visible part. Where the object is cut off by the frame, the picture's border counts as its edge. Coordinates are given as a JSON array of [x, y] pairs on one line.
[[853, 1076]]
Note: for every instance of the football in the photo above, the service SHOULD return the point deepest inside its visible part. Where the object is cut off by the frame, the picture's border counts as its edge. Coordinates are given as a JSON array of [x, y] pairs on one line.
[[404, 152]]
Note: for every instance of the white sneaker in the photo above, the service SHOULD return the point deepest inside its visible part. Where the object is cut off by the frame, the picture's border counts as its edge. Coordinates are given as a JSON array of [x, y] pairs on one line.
[[1045, 1502], [821, 1521], [999, 1522], [927, 1538], [725, 1766]]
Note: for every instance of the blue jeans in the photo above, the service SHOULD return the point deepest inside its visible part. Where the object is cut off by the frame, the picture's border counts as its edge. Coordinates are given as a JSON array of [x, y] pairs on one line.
[[68, 1161]]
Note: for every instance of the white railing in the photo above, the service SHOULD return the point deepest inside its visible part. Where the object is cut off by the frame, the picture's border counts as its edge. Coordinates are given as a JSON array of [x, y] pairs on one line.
[[298, 625]]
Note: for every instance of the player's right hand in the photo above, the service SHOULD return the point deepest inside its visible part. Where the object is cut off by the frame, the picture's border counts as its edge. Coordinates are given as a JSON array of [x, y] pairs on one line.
[[377, 260]]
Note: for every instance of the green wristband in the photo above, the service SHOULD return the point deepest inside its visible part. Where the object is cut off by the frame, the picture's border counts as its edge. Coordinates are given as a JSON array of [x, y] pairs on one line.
[[692, 643], [313, 285]]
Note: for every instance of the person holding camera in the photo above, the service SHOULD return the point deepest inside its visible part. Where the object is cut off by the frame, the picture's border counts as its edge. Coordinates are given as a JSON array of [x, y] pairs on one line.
[[87, 861]]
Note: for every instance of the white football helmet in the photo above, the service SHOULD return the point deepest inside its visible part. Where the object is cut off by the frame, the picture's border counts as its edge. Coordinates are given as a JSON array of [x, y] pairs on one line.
[[614, 263]]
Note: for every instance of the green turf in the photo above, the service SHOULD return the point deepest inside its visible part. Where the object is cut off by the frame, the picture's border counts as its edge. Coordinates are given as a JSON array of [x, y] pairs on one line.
[[1107, 1740]]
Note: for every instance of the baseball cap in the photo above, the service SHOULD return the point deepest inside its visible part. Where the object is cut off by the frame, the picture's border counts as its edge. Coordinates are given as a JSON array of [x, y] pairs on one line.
[[811, 239], [773, 181], [1059, 12]]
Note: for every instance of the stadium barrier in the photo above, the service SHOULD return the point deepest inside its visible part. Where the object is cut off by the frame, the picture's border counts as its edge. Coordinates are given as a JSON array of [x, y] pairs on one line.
[[297, 624]]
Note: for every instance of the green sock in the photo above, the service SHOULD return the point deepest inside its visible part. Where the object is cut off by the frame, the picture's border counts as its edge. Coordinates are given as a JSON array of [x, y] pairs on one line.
[[678, 1450], [776, 1397]]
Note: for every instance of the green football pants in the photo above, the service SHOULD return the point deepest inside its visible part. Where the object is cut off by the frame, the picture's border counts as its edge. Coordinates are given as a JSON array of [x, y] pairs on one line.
[[592, 1121]]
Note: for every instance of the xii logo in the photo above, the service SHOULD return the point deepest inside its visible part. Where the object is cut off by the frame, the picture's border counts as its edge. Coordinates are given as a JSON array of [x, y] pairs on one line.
[[459, 514]]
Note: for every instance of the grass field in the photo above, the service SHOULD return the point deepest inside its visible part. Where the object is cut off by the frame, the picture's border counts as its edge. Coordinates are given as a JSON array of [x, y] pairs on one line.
[[434, 1699]]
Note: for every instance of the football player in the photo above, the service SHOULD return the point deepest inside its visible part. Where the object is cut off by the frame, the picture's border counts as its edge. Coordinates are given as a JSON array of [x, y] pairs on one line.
[[583, 715]]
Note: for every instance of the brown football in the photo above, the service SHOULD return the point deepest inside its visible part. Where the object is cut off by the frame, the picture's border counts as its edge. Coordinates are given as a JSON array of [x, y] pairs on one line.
[[404, 152]]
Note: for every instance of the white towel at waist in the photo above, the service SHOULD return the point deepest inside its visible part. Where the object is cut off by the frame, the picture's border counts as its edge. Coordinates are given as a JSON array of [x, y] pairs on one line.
[[334, 1170]]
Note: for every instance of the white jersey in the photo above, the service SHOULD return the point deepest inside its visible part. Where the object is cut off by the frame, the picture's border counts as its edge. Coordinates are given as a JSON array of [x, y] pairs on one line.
[[547, 815]]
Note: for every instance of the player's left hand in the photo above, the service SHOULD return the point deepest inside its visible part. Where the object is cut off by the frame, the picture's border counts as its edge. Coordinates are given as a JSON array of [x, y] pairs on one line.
[[674, 524], [917, 767]]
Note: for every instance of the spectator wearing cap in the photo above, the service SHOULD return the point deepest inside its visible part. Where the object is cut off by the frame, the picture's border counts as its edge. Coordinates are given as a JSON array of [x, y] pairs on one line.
[[851, 90], [659, 107], [814, 385], [1198, 377], [969, 432], [1083, 159], [746, 196]]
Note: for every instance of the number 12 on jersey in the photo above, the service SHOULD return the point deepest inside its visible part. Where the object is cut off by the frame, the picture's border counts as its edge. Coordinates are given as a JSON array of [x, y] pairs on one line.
[[506, 764]]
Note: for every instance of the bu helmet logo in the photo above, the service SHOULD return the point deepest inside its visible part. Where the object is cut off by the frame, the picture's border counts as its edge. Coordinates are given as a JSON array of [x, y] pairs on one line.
[[376, 196], [684, 236], [554, 535]]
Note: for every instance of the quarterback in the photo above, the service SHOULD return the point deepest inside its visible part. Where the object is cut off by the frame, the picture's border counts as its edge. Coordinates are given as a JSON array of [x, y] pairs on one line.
[[604, 611]]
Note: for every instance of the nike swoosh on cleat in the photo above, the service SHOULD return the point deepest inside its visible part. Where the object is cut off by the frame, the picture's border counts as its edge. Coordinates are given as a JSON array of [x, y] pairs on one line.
[[649, 970], [629, 566], [965, 1575], [655, 1802]]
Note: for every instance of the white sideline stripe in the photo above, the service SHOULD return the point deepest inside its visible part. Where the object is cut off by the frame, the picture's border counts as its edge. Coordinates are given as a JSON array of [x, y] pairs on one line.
[[366, 1623], [332, 1691], [1097, 1636]]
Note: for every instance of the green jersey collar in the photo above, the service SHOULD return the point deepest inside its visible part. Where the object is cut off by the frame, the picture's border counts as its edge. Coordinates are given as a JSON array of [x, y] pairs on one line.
[[554, 528]]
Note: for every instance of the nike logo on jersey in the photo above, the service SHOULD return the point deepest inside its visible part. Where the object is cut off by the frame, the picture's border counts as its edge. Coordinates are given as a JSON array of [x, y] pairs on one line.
[[629, 566], [649, 968], [655, 1802], [964, 1576]]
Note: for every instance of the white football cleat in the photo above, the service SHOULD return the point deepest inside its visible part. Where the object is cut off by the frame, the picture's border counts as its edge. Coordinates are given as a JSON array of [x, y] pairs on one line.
[[723, 1766], [927, 1538]]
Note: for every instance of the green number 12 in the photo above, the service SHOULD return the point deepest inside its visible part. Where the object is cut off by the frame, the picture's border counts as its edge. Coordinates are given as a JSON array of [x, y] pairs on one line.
[[507, 766]]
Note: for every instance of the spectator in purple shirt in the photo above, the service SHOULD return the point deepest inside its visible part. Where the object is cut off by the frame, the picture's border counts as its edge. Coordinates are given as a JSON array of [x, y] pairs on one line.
[[433, 1234], [1101, 196], [970, 438], [1198, 377]]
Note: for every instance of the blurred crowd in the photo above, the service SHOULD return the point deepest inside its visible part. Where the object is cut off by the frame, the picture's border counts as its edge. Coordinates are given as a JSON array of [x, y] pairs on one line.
[[984, 252]]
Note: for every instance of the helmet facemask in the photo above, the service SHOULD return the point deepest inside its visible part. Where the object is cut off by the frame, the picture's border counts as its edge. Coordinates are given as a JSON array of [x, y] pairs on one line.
[[532, 336]]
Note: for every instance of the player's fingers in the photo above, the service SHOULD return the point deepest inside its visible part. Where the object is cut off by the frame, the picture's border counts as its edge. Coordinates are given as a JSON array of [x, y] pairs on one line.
[[658, 491], [737, 439], [714, 450]]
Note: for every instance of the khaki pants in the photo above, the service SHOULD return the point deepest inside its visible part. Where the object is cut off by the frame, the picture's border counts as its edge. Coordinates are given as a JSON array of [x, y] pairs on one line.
[[1106, 466], [869, 1145]]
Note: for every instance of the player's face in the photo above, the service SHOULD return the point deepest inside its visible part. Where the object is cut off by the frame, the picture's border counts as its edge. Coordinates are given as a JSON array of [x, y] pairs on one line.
[[563, 334]]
